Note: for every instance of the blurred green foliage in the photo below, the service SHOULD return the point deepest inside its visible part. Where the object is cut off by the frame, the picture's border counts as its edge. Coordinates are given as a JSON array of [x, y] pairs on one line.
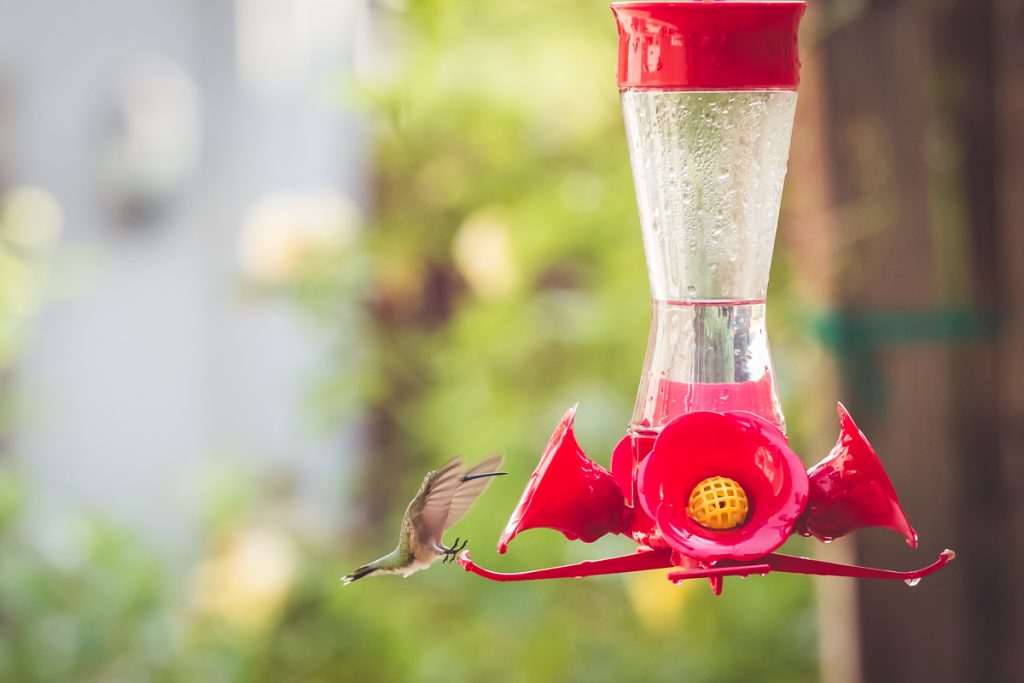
[[501, 279], [104, 611]]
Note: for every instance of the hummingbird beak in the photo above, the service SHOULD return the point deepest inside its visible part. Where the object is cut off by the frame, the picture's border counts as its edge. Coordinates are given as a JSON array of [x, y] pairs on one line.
[[470, 477]]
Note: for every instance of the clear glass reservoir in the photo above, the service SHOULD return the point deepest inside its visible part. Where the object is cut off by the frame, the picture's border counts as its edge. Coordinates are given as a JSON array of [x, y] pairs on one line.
[[708, 169]]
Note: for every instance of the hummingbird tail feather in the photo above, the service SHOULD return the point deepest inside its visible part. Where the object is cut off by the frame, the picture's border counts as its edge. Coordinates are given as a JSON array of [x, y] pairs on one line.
[[365, 570]]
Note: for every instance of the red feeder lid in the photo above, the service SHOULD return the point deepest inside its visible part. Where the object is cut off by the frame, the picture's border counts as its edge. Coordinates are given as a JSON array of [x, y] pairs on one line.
[[709, 45]]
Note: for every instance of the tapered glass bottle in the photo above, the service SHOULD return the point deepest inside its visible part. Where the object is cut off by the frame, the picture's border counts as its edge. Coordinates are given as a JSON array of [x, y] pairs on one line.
[[708, 133]]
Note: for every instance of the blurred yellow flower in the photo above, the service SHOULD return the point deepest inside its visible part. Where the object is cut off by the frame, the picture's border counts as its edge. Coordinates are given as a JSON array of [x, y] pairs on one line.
[[283, 230], [483, 255], [246, 583], [656, 600]]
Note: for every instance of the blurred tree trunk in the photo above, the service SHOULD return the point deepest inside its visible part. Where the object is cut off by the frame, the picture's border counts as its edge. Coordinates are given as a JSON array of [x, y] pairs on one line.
[[1009, 114], [399, 316], [924, 115]]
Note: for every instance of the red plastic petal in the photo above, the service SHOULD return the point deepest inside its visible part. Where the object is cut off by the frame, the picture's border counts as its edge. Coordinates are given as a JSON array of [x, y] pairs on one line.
[[623, 466], [738, 445], [568, 492], [850, 490], [630, 451]]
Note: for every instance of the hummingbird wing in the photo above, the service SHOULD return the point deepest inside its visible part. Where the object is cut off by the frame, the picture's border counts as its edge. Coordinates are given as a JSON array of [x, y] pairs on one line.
[[429, 509], [473, 484]]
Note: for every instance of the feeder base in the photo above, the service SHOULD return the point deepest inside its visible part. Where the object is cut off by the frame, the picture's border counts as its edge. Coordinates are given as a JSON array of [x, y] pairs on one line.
[[645, 560]]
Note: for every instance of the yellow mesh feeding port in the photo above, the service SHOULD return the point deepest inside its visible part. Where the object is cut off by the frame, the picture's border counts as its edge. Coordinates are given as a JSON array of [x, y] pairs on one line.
[[719, 503]]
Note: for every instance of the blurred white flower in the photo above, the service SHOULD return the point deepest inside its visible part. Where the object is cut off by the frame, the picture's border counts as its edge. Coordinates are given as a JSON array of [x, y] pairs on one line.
[[282, 230], [247, 582], [30, 218], [483, 255]]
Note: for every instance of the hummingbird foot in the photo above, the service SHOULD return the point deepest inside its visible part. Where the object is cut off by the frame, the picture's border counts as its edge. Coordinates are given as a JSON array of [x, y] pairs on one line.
[[451, 553]]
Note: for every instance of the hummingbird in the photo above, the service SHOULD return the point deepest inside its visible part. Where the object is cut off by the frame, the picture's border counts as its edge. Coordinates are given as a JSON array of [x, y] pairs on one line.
[[445, 496]]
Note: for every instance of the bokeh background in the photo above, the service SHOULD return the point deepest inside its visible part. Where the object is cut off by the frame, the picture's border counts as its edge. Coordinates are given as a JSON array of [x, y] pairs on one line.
[[265, 262]]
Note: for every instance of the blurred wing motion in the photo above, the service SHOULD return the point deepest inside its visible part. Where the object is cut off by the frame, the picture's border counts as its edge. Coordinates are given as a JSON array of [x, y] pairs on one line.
[[428, 511], [444, 498], [472, 486]]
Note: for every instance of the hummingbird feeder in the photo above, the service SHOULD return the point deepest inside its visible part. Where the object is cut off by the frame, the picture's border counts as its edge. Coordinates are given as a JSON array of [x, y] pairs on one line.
[[704, 480]]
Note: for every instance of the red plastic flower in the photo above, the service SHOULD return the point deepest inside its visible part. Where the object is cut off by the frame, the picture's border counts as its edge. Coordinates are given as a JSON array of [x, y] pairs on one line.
[[850, 490], [568, 492], [742, 447]]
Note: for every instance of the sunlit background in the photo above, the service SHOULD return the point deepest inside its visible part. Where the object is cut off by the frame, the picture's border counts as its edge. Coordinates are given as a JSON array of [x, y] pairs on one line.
[[264, 263]]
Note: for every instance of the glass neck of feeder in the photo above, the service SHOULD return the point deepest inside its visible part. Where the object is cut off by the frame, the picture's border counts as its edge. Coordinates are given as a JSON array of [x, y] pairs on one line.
[[708, 169]]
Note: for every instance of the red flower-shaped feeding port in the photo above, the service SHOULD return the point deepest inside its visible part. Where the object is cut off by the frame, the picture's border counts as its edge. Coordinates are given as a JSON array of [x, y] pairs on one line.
[[716, 496], [563, 466], [749, 452], [851, 490]]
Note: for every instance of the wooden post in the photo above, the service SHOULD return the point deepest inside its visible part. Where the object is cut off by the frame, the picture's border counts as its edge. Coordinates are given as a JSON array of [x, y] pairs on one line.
[[1008, 34]]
